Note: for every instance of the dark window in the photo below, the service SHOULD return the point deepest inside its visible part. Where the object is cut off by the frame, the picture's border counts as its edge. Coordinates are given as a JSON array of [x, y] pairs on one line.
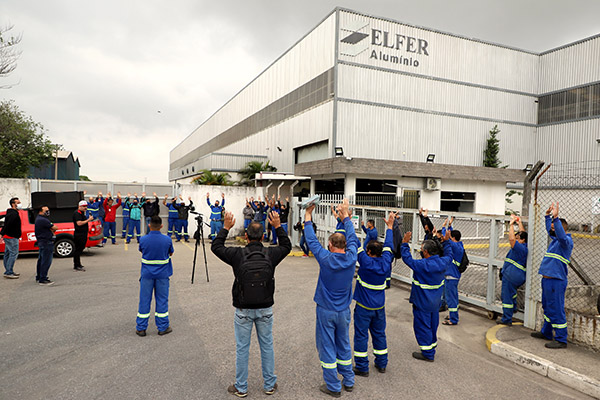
[[583, 102], [376, 185], [595, 99], [330, 186], [458, 202], [569, 105]]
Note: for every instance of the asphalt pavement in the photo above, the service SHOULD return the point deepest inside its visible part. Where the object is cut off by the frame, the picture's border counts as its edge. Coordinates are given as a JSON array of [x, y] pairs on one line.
[[76, 339]]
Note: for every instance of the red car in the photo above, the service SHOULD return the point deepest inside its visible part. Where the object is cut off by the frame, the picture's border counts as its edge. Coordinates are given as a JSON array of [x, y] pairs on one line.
[[64, 245]]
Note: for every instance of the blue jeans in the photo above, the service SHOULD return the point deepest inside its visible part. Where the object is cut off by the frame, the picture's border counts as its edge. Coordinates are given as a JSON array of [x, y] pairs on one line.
[[303, 244], [147, 220], [246, 223], [243, 321], [11, 252], [44, 260]]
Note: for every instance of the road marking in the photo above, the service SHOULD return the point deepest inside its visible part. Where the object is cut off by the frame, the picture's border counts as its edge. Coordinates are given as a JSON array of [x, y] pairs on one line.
[[188, 246], [126, 246]]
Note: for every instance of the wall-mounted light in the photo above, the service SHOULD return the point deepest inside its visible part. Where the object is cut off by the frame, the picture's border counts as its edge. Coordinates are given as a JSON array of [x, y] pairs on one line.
[[598, 140], [430, 157], [528, 168], [339, 152]]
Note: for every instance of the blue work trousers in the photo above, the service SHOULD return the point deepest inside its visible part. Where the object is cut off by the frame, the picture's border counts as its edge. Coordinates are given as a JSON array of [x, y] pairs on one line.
[[366, 321], [285, 228], [44, 259], [425, 325], [134, 225], [333, 344], [182, 230], [452, 299], [172, 226], [11, 252], [215, 228], [509, 299], [110, 230], [125, 225], [244, 319], [553, 303], [160, 287]]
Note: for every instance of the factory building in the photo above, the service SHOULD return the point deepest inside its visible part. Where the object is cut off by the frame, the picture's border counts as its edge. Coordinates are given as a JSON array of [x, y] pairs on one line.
[[367, 106]]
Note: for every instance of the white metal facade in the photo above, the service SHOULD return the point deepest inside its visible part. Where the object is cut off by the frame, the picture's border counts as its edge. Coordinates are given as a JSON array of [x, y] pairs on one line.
[[434, 93]]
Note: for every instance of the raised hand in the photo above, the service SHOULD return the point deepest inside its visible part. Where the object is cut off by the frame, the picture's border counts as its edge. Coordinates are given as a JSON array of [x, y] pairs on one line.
[[274, 219], [228, 220], [390, 220], [207, 195], [555, 211], [549, 210], [407, 237]]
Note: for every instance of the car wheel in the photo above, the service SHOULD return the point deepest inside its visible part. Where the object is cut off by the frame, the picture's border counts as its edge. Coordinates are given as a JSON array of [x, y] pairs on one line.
[[64, 248]]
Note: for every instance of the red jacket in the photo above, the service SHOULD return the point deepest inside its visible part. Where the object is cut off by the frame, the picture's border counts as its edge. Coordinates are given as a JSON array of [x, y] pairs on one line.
[[110, 212]]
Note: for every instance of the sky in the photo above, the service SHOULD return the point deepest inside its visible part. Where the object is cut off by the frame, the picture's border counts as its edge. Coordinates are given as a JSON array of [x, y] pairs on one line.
[[121, 83]]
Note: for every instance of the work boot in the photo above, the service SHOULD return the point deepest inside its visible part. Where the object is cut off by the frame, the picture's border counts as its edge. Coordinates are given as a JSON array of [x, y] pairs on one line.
[[233, 390], [556, 345], [419, 356], [348, 388], [141, 333], [380, 369], [500, 322], [323, 388], [539, 335], [166, 331], [359, 372]]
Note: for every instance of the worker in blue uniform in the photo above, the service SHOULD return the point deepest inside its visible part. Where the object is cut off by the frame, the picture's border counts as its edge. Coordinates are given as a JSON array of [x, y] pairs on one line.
[[156, 250], [514, 269], [369, 230], [333, 296], [173, 215], [94, 204], [135, 216], [369, 294], [216, 215], [426, 291], [554, 280], [125, 216], [453, 274]]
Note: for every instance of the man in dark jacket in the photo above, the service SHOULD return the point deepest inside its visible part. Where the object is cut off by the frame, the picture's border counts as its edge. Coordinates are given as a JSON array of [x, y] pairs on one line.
[[151, 208], [44, 234], [11, 232], [248, 310], [183, 212]]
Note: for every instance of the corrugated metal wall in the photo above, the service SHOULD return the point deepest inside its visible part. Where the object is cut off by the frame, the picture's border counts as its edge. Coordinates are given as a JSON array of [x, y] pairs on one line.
[[308, 58], [450, 57], [388, 133], [568, 142], [570, 66], [309, 127], [391, 88]]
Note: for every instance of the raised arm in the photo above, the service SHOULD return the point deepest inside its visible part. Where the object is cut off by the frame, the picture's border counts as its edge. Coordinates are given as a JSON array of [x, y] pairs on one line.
[[311, 237], [512, 239]]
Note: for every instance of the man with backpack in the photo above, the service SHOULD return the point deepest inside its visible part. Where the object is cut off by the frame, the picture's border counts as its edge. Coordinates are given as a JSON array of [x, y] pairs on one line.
[[456, 267], [253, 289]]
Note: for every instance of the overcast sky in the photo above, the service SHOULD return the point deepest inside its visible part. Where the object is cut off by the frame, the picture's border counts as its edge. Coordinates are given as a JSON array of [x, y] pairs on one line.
[[120, 83]]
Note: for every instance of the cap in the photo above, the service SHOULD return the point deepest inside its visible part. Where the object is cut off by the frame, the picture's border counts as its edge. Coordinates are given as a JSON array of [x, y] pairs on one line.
[[83, 203]]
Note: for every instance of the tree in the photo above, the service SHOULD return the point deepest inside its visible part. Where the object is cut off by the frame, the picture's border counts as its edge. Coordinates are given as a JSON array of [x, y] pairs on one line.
[[209, 178], [490, 154], [84, 178], [251, 169], [8, 52], [23, 143]]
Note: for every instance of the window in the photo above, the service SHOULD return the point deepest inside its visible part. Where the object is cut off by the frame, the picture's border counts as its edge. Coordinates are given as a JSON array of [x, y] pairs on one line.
[[568, 105], [331, 186], [457, 202]]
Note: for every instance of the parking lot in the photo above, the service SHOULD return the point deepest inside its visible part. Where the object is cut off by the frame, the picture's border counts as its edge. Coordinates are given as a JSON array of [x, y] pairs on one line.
[[76, 339]]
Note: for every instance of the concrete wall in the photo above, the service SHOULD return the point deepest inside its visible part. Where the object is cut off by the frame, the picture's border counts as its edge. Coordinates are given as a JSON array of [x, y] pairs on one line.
[[10, 188]]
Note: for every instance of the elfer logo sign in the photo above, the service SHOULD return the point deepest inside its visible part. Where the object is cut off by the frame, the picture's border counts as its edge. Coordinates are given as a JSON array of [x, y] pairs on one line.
[[386, 46]]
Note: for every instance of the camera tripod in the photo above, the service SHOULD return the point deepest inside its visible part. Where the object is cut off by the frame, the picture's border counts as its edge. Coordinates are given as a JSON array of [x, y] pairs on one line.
[[199, 237]]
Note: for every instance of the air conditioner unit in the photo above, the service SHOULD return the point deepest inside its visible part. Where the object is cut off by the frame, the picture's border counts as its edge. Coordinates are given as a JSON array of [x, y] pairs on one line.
[[433, 184]]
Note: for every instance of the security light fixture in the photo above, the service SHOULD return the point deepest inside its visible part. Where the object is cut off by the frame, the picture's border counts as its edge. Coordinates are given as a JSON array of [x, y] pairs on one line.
[[598, 140], [339, 152], [528, 168], [430, 157]]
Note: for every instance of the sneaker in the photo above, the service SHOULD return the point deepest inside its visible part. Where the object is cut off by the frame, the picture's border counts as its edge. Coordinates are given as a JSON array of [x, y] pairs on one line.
[[272, 390], [166, 331], [82, 269], [141, 333], [556, 345], [11, 276], [187, 241], [46, 282], [323, 388], [348, 388], [380, 369], [16, 274], [304, 256], [500, 322], [539, 335], [233, 390], [100, 245], [360, 373], [419, 356]]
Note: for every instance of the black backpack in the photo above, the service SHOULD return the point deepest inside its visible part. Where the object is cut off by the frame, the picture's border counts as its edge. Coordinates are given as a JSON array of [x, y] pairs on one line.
[[256, 281], [464, 263]]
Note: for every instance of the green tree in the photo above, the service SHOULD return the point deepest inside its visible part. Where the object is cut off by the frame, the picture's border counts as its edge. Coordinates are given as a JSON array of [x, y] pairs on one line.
[[251, 169], [23, 143], [84, 178], [492, 148], [209, 178]]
